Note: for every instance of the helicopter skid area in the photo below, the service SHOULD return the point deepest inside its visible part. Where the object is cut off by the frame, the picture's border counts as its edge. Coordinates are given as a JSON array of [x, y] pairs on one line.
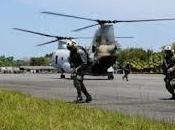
[[143, 94]]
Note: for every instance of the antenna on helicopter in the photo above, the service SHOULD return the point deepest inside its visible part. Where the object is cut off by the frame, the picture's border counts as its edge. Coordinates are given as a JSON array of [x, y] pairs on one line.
[[102, 22]]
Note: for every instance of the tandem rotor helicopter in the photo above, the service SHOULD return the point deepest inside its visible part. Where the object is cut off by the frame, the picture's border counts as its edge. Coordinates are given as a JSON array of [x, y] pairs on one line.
[[102, 51], [61, 55]]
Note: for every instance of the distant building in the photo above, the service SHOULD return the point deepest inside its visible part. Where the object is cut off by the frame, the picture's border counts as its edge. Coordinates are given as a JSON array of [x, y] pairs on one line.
[[37, 69], [9, 69]]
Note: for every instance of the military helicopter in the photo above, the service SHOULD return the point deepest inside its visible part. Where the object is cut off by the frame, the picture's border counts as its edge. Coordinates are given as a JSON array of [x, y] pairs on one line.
[[103, 50], [61, 55]]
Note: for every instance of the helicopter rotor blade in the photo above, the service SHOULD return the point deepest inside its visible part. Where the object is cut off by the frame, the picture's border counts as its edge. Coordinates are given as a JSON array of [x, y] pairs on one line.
[[143, 20], [67, 38], [42, 34], [101, 22], [65, 15], [79, 29], [47, 42]]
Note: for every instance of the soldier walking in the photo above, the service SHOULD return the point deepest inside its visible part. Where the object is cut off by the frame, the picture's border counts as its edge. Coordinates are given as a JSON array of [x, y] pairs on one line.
[[126, 71], [79, 61]]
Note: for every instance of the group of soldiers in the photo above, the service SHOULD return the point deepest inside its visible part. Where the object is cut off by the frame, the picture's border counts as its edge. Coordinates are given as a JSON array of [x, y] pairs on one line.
[[79, 61]]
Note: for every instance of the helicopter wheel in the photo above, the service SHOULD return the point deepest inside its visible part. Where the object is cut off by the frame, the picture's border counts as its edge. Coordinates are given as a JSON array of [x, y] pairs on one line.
[[110, 76], [62, 76]]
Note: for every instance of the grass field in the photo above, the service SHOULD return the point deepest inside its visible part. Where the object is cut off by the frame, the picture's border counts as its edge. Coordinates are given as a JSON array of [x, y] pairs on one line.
[[23, 112]]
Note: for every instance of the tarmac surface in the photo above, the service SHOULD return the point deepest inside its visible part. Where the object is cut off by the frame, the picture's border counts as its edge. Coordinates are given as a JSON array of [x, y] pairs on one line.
[[143, 94]]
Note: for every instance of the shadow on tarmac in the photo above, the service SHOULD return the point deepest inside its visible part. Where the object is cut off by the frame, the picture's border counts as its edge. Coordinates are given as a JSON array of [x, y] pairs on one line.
[[84, 79], [167, 99]]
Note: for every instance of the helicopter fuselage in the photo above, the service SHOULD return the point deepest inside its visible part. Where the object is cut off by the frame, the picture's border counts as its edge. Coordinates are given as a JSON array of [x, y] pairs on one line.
[[102, 53], [103, 49]]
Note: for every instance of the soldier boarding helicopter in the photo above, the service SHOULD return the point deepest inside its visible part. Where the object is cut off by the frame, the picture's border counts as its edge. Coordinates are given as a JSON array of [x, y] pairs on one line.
[[103, 50], [61, 55]]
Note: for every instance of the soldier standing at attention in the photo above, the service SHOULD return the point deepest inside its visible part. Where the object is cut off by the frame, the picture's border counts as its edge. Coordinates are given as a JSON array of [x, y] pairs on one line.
[[79, 61]]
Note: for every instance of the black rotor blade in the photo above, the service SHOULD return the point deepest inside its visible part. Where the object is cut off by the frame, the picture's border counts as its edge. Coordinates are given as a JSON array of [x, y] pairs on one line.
[[24, 30], [107, 21], [85, 27], [47, 43], [67, 38], [143, 20], [65, 15]]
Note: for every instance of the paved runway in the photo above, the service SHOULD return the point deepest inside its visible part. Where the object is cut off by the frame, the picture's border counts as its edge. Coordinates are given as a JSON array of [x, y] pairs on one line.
[[142, 95]]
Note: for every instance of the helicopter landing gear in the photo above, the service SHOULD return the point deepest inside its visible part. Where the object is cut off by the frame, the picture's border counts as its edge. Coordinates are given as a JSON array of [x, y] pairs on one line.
[[110, 76], [62, 76]]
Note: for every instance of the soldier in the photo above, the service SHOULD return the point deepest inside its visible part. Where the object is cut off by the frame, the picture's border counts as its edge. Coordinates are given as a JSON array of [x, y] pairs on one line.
[[168, 68], [79, 61], [126, 70]]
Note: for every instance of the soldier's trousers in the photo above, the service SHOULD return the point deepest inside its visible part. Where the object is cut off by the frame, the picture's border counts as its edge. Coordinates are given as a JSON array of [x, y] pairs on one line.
[[125, 76], [79, 85], [169, 87]]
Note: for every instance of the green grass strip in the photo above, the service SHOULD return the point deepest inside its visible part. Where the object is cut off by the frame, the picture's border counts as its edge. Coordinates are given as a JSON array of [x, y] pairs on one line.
[[23, 112]]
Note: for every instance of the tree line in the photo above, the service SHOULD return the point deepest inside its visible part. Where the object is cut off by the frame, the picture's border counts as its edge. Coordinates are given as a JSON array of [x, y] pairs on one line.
[[140, 60], [33, 61]]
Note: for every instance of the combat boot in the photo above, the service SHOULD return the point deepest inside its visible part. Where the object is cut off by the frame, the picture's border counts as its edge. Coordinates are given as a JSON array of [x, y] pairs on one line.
[[79, 99], [88, 99], [173, 96]]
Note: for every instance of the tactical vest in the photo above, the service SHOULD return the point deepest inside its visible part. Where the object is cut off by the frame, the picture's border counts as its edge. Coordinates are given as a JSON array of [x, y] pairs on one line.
[[76, 59]]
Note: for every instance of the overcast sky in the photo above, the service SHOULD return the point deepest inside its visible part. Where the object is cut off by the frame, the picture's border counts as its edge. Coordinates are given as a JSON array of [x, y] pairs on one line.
[[26, 14]]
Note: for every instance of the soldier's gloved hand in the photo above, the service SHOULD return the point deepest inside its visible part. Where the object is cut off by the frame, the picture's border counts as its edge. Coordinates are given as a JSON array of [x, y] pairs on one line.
[[74, 71], [77, 69], [79, 78], [170, 70]]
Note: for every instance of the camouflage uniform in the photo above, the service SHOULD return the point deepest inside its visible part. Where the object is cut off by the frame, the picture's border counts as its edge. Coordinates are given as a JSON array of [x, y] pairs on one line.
[[79, 61], [168, 68]]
